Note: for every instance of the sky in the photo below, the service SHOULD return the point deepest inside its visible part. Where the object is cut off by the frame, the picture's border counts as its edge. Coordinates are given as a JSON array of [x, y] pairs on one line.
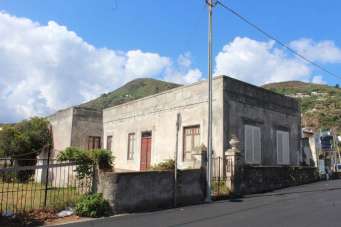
[[55, 54]]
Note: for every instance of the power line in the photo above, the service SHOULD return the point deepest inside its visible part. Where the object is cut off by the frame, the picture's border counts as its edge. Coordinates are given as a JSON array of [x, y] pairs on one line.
[[275, 39]]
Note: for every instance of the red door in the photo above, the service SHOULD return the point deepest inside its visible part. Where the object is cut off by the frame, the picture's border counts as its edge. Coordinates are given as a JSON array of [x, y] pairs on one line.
[[146, 142]]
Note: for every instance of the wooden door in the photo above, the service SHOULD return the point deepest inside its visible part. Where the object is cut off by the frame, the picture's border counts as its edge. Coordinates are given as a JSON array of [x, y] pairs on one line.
[[146, 142]]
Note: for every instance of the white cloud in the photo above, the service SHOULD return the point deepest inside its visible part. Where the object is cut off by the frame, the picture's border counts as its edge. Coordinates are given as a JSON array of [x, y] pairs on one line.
[[318, 80], [324, 51], [44, 68], [145, 64], [185, 60], [259, 62], [183, 73]]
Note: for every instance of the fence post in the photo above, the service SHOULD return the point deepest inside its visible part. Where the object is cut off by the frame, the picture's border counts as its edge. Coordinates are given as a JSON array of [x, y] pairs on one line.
[[234, 166], [219, 158], [94, 178], [47, 177]]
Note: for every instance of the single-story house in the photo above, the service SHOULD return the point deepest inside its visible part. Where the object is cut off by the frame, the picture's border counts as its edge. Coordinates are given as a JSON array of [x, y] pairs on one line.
[[143, 133]]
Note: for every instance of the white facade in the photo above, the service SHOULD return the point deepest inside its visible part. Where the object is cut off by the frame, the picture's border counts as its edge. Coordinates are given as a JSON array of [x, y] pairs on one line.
[[267, 124], [158, 114]]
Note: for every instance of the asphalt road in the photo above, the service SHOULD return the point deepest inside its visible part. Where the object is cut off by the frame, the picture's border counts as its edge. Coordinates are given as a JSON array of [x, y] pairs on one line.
[[317, 204]]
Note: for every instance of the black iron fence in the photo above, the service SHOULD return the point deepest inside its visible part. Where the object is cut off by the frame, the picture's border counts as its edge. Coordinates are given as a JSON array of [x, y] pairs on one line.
[[219, 186], [28, 184]]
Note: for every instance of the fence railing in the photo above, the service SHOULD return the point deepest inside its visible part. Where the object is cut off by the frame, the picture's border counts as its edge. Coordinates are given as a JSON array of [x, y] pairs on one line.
[[28, 184]]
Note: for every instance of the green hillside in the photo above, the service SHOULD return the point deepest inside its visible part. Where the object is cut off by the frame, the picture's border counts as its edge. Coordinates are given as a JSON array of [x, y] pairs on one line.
[[320, 104], [133, 90]]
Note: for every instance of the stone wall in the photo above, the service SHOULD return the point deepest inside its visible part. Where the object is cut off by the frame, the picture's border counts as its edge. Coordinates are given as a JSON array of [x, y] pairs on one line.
[[151, 190], [257, 179]]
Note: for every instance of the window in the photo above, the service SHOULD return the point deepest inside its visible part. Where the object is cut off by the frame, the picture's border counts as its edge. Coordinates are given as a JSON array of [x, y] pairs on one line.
[[252, 144], [283, 154], [109, 142], [191, 141], [94, 142], [131, 146]]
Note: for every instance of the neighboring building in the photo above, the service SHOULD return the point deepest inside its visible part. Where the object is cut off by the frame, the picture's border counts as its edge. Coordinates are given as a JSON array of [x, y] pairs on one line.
[[322, 147], [76, 127], [142, 133], [72, 127], [310, 148]]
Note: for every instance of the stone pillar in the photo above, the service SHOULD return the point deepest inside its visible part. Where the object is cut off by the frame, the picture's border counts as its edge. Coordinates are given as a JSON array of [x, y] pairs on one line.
[[233, 166]]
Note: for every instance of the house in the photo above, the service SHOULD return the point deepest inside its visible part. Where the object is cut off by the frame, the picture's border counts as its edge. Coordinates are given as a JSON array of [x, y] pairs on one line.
[[143, 133], [76, 127], [309, 147], [72, 127]]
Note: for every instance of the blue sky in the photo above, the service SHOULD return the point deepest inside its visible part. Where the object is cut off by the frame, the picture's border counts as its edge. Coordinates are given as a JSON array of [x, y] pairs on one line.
[[172, 34]]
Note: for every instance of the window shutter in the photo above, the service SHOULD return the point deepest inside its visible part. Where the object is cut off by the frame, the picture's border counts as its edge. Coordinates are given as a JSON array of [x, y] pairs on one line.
[[248, 143], [90, 143], [257, 155], [279, 148], [286, 150], [283, 147], [131, 146]]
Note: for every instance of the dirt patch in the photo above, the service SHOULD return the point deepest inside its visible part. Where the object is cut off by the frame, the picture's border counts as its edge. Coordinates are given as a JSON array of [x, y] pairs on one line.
[[35, 218], [68, 219]]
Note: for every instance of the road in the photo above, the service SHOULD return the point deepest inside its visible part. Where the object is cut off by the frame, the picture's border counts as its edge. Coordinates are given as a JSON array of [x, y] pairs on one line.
[[317, 204]]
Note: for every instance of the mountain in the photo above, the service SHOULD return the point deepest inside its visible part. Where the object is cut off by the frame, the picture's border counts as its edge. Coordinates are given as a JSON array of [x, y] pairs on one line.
[[133, 90], [320, 104]]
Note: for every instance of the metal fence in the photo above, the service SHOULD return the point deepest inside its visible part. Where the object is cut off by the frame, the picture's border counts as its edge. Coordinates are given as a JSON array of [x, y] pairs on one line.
[[28, 184], [219, 187]]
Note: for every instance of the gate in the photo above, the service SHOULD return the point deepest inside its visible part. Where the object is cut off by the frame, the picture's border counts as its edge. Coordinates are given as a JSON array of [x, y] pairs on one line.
[[219, 188]]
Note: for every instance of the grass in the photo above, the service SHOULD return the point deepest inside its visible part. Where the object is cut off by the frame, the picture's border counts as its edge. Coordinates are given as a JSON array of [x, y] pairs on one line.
[[133, 90], [19, 197], [219, 188]]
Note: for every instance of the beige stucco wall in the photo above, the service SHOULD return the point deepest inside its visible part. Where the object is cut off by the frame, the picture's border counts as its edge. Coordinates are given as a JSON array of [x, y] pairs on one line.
[[73, 126], [235, 104], [61, 123], [86, 122], [158, 114]]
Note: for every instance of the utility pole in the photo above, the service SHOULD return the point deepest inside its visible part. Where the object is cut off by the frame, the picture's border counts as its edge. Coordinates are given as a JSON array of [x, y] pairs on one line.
[[178, 125], [209, 136]]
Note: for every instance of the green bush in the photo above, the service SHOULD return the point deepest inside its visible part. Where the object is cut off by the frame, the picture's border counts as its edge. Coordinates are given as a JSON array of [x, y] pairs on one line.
[[103, 158], [165, 165], [93, 205], [85, 159]]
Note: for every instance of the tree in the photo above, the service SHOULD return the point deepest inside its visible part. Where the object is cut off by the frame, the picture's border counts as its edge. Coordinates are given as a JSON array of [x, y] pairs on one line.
[[9, 141], [25, 139], [23, 142], [337, 86]]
